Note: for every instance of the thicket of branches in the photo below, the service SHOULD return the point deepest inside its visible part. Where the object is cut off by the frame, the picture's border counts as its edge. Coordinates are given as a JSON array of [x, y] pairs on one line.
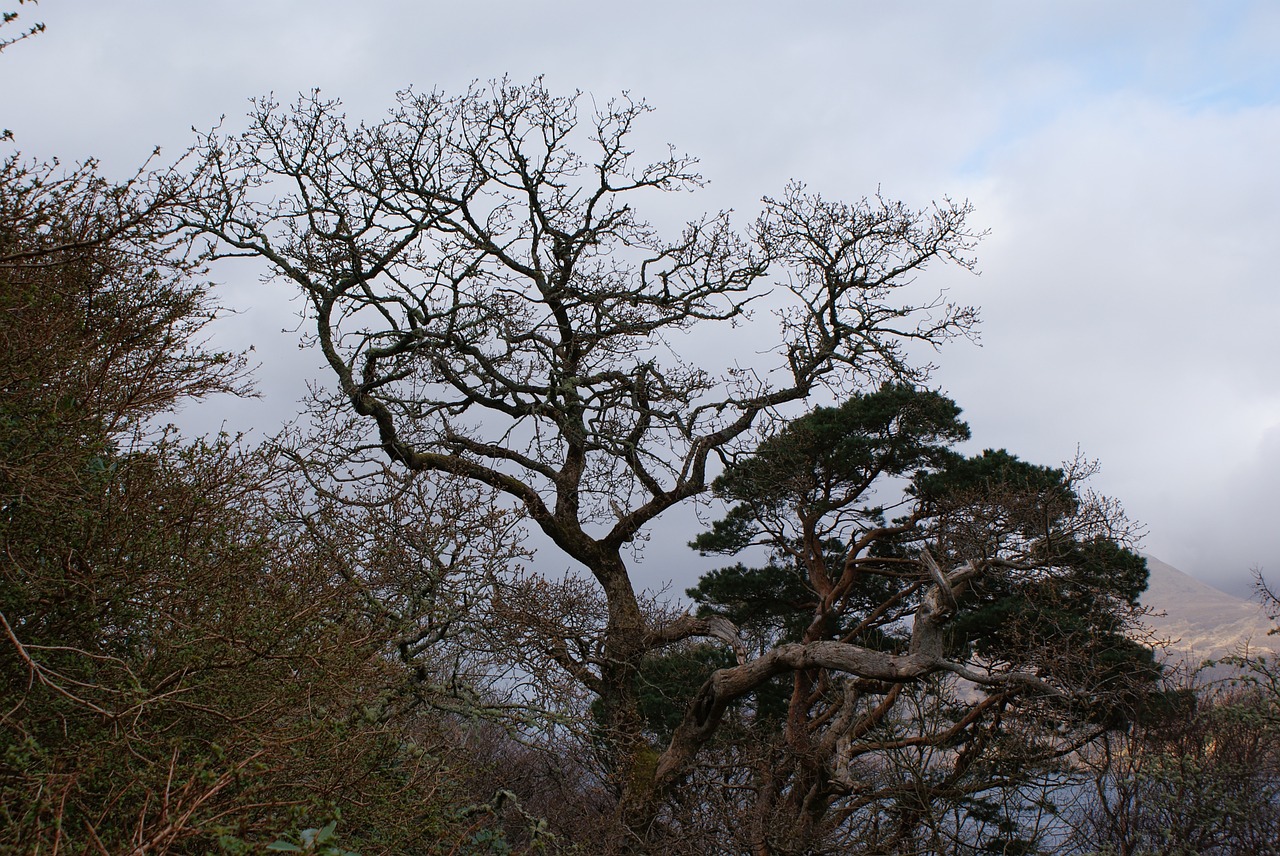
[[200, 648]]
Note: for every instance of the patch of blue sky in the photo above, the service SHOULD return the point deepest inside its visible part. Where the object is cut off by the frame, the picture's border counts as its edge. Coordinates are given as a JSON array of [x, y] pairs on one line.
[[1210, 58], [1227, 61], [1245, 93]]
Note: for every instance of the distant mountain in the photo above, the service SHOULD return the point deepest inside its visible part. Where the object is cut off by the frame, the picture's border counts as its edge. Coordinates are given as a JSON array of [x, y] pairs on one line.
[[1199, 621]]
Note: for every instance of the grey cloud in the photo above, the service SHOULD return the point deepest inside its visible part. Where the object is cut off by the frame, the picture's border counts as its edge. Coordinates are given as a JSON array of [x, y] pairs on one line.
[[1123, 156]]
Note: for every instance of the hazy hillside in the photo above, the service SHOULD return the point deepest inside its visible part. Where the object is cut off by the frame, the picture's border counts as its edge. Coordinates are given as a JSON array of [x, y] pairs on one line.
[[1200, 621]]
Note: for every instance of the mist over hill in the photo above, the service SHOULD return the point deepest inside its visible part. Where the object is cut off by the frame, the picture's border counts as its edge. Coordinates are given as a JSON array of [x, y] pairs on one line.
[[1200, 622]]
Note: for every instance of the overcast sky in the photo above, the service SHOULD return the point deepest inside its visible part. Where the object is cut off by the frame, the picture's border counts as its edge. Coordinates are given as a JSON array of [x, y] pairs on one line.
[[1123, 155]]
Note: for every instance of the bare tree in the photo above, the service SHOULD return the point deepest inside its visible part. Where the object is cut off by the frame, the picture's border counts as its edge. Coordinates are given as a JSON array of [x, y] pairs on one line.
[[489, 299]]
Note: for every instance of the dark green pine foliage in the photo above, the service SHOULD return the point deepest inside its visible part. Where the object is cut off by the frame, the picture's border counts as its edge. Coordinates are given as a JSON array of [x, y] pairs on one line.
[[1063, 614], [831, 458], [829, 461], [845, 501], [962, 508], [817, 464]]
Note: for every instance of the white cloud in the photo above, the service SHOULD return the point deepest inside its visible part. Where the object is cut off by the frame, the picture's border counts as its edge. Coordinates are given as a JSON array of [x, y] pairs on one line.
[[1122, 154]]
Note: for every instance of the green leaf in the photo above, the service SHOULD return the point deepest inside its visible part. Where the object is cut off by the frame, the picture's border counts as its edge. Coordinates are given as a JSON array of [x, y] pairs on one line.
[[326, 832]]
